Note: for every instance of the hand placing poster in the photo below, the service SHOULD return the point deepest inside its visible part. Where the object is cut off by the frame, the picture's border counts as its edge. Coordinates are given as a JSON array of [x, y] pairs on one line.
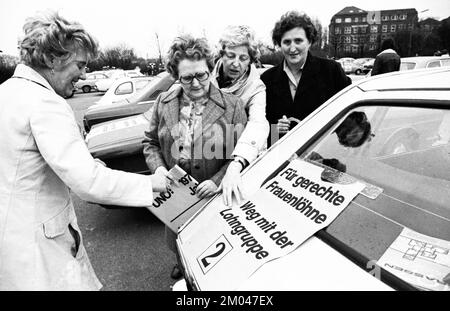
[[418, 259], [177, 205], [222, 246]]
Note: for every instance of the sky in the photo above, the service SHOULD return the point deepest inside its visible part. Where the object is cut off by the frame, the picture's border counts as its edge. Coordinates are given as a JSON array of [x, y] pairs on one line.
[[137, 23]]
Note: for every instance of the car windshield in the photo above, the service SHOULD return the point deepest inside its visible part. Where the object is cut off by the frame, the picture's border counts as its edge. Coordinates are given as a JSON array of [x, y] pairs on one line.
[[403, 156]]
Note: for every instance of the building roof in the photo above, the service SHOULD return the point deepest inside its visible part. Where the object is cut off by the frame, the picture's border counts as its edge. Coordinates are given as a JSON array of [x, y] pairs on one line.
[[350, 10]]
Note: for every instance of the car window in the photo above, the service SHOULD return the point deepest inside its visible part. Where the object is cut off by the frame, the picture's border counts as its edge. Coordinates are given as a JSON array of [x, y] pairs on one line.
[[407, 65], [141, 84], [445, 62], [434, 64], [124, 88], [403, 156]]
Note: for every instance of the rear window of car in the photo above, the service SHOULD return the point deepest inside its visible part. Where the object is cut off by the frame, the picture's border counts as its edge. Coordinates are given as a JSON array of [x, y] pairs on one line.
[[434, 64], [407, 65], [403, 156]]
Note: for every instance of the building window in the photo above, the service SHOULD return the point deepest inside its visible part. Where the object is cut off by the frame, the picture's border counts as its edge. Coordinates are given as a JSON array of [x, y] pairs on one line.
[[337, 31], [362, 39], [338, 20], [347, 48], [385, 18], [348, 30], [384, 28], [354, 49], [364, 19], [393, 28], [373, 38], [373, 29], [394, 17], [355, 29], [403, 17], [354, 39], [347, 39], [356, 19], [410, 26], [401, 26], [363, 29], [372, 47], [348, 19]]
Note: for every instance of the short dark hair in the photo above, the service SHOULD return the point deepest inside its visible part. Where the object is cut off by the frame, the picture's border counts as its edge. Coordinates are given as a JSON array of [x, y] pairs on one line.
[[291, 20], [188, 47], [388, 44]]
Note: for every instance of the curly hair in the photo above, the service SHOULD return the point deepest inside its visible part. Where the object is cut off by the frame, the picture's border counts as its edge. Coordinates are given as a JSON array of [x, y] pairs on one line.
[[240, 36], [291, 20], [48, 35], [188, 47]]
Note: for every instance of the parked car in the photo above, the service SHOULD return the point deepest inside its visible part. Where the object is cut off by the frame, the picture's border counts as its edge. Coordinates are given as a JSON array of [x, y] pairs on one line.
[[353, 66], [104, 84], [402, 162], [136, 104], [418, 62], [123, 88], [367, 66], [89, 84]]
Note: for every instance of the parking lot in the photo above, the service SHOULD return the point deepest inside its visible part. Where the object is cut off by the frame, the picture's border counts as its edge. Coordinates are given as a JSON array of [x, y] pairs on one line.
[[126, 246]]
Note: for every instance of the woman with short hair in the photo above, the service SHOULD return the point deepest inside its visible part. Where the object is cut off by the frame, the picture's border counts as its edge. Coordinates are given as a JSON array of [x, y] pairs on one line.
[[236, 73], [194, 125], [44, 157]]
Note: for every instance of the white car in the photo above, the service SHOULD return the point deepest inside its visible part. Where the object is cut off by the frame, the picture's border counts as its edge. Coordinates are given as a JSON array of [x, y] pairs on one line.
[[391, 132], [123, 88]]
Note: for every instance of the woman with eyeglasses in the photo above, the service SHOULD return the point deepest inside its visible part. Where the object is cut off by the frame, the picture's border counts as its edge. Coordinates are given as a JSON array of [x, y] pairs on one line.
[[194, 125], [236, 73]]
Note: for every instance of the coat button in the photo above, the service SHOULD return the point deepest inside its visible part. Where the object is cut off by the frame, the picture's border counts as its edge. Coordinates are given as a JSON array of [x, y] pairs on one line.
[[253, 142], [197, 167], [180, 148]]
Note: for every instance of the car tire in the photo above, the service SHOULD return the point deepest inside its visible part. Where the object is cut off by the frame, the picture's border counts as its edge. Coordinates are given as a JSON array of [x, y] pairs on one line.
[[358, 72], [86, 89], [71, 95]]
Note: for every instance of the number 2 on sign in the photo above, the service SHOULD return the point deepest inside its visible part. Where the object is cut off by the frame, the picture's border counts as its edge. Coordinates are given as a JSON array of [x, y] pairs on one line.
[[214, 253]]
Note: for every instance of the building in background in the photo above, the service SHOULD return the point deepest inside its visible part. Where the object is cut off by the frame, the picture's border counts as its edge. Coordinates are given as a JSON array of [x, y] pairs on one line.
[[354, 32]]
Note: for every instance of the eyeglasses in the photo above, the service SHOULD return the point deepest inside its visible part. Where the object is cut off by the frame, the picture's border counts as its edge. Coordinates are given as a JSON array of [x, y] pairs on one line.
[[200, 76]]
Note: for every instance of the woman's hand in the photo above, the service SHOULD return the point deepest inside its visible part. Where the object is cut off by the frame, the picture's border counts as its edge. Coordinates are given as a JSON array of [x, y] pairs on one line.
[[232, 184], [159, 182], [283, 125], [161, 173], [206, 189]]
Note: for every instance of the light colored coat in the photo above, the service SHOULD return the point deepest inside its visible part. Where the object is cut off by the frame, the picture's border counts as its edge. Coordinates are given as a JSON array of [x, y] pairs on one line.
[[42, 157], [252, 91]]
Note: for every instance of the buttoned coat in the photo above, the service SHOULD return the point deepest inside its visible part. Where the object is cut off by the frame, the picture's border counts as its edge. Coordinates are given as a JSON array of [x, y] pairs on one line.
[[321, 79], [43, 157], [223, 120]]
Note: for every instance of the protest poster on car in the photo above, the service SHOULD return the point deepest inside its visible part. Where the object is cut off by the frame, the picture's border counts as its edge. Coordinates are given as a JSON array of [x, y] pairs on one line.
[[175, 206], [222, 246]]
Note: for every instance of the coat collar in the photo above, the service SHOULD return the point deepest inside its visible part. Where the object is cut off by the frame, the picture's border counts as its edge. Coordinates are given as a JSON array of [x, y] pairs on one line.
[[213, 110], [25, 72]]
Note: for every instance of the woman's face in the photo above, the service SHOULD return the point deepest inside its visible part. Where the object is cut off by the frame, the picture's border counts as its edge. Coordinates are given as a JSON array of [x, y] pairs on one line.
[[295, 46], [189, 68], [235, 61], [68, 72]]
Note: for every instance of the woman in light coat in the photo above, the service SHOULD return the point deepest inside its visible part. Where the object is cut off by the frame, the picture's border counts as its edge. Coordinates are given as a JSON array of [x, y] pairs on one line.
[[43, 158], [236, 73]]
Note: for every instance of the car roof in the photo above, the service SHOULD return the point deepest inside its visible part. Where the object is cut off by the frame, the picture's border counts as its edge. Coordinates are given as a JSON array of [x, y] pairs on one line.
[[423, 79], [422, 59]]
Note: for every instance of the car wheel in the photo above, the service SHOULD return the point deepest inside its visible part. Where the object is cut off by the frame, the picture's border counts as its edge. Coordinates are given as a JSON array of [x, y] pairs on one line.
[[358, 71], [86, 89], [71, 95]]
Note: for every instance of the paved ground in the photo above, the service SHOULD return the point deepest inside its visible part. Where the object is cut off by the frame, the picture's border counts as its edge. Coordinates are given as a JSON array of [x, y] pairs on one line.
[[127, 246]]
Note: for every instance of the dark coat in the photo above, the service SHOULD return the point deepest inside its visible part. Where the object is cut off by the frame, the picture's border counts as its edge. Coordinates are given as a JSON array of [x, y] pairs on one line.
[[386, 62], [321, 79]]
